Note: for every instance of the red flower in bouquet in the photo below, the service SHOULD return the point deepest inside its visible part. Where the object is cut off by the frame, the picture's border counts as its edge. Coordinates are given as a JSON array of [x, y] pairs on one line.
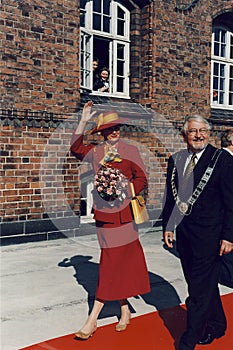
[[111, 184]]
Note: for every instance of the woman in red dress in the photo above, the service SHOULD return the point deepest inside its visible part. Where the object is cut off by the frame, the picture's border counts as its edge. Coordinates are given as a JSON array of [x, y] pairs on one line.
[[122, 271]]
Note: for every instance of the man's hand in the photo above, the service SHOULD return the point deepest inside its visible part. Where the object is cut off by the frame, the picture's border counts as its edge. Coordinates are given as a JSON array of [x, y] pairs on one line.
[[226, 247], [168, 238]]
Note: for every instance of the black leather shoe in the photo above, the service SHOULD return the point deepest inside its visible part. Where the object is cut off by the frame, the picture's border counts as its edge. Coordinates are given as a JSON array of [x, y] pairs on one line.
[[209, 337]]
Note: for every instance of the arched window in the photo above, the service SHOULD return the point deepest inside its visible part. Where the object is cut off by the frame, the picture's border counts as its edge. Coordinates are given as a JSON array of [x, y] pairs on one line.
[[222, 68], [105, 34]]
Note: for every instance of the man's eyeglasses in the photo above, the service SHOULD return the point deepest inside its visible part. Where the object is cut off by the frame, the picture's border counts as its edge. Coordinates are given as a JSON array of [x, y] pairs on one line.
[[202, 131]]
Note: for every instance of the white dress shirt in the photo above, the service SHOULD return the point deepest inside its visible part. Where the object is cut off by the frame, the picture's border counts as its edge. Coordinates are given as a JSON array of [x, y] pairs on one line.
[[199, 154]]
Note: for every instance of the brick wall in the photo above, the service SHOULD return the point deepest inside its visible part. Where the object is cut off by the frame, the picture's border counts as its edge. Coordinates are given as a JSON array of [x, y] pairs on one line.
[[40, 182], [40, 62], [176, 56]]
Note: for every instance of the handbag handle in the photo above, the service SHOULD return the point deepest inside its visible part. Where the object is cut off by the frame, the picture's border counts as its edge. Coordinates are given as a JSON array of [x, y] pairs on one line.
[[132, 189]]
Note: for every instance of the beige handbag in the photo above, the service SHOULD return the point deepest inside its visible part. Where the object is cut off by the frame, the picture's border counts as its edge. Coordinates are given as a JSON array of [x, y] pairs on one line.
[[138, 206]]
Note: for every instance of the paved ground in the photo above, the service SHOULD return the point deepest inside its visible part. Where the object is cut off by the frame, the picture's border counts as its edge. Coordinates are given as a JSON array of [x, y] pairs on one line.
[[47, 287]]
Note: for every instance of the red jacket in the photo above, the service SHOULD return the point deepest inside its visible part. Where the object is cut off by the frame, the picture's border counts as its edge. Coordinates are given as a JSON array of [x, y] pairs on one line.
[[131, 166]]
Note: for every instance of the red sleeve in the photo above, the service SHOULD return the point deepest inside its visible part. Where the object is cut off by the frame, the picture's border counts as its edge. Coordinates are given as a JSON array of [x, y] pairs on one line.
[[78, 149], [139, 172]]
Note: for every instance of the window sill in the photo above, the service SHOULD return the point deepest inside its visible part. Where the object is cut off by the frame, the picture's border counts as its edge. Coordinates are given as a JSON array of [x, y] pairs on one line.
[[226, 107], [104, 94]]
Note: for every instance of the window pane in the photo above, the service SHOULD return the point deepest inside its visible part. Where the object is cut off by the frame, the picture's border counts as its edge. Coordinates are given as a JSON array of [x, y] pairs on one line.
[[83, 4], [120, 51], [223, 50], [83, 13], [231, 99], [223, 43], [106, 24], [220, 42], [216, 34], [120, 68], [231, 71], [97, 6], [120, 84], [215, 84], [82, 77], [231, 85], [231, 47], [215, 96], [222, 83], [120, 13], [120, 21], [222, 70], [221, 97], [82, 19], [106, 7], [216, 49], [96, 22], [120, 27], [215, 68], [223, 36]]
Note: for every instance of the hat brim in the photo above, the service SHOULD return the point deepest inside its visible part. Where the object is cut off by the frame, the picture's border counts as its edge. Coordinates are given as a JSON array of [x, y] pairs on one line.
[[119, 121]]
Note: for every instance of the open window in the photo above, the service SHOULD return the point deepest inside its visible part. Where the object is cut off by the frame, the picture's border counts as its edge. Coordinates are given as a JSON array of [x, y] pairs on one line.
[[105, 26], [222, 67]]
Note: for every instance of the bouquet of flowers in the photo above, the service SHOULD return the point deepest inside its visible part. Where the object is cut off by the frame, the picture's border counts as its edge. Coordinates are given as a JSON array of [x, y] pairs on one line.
[[111, 184]]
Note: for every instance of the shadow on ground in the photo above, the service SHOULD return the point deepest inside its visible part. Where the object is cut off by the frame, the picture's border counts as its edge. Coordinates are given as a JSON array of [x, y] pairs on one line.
[[163, 295]]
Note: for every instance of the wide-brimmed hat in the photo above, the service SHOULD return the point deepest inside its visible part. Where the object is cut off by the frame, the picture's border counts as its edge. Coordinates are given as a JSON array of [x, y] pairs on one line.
[[107, 120]]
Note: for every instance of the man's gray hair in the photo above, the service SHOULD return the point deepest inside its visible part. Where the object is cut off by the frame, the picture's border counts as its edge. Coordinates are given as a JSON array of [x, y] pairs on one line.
[[197, 118]]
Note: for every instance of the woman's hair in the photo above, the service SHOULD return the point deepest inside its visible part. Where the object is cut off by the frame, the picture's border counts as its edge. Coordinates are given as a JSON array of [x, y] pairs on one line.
[[227, 138], [105, 68], [197, 118]]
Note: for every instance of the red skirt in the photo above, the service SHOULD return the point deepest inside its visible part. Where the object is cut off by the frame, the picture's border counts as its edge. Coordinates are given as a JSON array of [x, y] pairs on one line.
[[122, 271]]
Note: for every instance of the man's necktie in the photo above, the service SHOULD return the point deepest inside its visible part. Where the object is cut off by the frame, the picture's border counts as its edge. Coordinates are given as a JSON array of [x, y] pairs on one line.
[[188, 172]]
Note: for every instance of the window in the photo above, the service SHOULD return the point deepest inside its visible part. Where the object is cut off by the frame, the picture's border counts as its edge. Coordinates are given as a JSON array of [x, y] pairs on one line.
[[105, 35], [86, 201], [222, 68]]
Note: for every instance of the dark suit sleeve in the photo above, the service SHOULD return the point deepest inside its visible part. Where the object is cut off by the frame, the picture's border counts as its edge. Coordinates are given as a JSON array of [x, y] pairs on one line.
[[226, 188], [168, 201]]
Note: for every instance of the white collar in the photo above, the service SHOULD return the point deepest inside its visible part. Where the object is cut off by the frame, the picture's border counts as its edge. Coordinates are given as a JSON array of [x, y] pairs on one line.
[[228, 150], [198, 154]]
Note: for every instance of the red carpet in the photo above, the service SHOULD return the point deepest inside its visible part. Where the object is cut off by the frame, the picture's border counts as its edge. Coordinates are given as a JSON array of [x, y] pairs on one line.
[[154, 331]]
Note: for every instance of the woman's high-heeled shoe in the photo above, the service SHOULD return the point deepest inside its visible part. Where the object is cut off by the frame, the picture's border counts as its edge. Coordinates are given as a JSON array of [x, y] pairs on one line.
[[122, 326], [81, 335]]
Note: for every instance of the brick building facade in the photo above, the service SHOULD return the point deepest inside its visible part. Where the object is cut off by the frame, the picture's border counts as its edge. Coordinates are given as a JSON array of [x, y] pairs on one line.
[[163, 67]]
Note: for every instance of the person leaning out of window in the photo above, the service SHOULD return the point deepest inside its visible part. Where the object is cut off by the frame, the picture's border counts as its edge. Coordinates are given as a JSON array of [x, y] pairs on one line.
[[102, 83]]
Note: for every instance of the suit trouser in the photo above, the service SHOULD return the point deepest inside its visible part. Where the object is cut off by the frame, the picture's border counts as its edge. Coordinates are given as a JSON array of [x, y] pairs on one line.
[[204, 306]]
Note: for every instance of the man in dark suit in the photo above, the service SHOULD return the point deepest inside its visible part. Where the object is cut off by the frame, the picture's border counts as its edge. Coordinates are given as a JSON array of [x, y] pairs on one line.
[[199, 208], [227, 141]]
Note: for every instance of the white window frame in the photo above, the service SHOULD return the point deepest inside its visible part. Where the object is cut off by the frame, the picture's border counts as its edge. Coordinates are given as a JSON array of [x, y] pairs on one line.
[[228, 63], [113, 40], [89, 203], [87, 58], [126, 67]]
